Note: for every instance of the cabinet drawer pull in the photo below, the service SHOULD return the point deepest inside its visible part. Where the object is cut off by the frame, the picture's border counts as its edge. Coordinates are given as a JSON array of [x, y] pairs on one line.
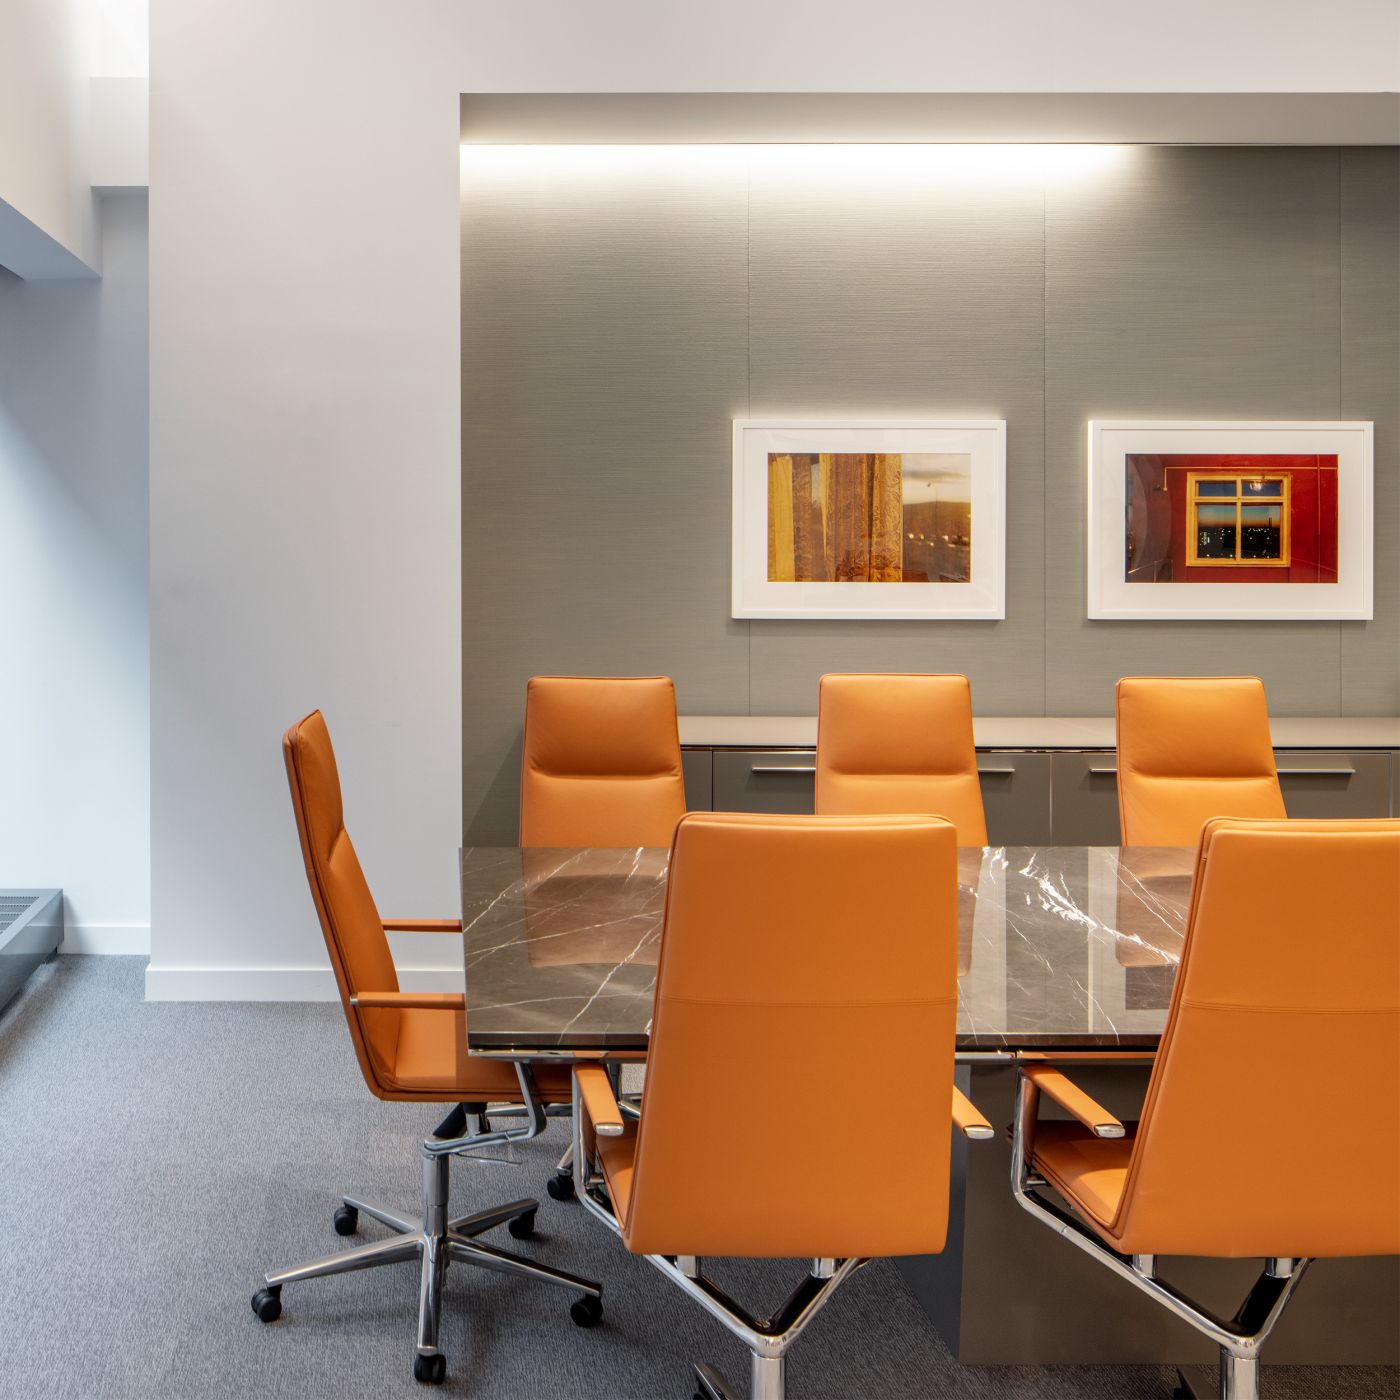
[[1316, 772], [778, 768], [995, 772], [1103, 770]]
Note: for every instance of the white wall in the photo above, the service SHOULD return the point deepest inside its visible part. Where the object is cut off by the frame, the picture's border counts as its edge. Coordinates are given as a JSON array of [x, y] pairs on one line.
[[74, 703], [47, 210], [123, 39], [304, 362]]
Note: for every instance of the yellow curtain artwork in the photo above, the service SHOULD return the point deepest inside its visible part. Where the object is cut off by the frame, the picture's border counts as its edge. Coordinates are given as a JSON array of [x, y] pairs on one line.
[[835, 518]]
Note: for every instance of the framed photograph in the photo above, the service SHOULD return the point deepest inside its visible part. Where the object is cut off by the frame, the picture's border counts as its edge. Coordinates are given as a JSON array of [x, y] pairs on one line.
[[895, 519], [1230, 520]]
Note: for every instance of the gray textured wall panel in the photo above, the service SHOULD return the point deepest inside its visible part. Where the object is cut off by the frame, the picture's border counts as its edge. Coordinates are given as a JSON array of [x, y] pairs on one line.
[[615, 320], [1196, 284], [882, 292], [603, 356], [1371, 389]]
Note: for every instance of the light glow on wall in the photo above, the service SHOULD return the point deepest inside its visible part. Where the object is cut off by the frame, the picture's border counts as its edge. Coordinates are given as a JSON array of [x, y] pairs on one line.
[[922, 163]]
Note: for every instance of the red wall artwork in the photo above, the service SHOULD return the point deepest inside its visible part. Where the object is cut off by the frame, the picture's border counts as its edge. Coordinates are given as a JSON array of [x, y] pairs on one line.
[[1231, 518]]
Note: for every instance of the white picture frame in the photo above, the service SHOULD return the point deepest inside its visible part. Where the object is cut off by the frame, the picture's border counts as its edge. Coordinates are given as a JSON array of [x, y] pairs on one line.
[[983, 595], [1111, 593]]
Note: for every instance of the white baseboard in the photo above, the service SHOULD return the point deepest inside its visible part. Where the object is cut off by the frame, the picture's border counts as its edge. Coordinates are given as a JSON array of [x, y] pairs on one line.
[[276, 983], [107, 938]]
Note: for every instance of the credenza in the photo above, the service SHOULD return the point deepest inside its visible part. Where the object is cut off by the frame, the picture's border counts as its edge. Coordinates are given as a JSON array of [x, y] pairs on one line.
[[1046, 780]]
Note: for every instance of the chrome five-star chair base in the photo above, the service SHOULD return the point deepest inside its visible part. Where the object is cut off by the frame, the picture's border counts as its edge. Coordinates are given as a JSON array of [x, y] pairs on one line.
[[436, 1241], [768, 1339], [1239, 1338]]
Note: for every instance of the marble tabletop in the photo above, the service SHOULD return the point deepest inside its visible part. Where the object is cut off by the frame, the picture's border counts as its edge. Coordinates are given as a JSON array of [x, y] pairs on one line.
[[1070, 947]]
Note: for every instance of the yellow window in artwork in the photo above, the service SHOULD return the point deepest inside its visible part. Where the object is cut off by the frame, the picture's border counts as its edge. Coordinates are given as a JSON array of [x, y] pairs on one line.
[[1236, 521]]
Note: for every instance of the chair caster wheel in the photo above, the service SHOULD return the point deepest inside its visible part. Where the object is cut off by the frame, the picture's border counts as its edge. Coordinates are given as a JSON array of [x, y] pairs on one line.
[[431, 1370], [267, 1303], [586, 1311], [346, 1220], [523, 1226], [561, 1186]]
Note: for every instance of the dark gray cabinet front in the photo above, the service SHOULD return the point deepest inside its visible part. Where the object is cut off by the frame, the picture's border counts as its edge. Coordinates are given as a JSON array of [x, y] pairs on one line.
[[1084, 798], [1068, 797], [697, 766], [751, 780], [1327, 783], [1015, 788], [1016, 797]]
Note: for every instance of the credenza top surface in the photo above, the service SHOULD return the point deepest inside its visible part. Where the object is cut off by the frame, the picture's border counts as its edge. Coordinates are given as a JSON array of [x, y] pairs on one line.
[[1035, 732]]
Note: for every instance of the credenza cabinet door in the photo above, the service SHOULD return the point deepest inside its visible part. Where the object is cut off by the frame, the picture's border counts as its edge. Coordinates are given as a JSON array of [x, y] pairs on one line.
[[1084, 798], [1327, 783], [1068, 797], [752, 780], [698, 769], [1015, 789], [1016, 797]]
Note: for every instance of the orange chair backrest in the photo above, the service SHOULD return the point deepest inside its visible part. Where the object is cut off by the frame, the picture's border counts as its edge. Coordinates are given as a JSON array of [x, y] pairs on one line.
[[806, 964], [602, 762], [1191, 748], [350, 921], [899, 743], [1272, 1120]]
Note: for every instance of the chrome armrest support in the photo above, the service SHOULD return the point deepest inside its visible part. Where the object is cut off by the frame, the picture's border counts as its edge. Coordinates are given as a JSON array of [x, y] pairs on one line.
[[532, 1127]]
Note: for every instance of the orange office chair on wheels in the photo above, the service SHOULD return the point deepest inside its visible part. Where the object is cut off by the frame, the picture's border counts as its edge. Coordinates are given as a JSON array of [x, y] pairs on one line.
[[1271, 1126], [412, 1046], [899, 743], [759, 974], [1191, 748], [600, 767]]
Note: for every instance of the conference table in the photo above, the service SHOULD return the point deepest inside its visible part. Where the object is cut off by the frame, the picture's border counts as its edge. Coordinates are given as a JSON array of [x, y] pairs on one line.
[[1065, 954], [1069, 948]]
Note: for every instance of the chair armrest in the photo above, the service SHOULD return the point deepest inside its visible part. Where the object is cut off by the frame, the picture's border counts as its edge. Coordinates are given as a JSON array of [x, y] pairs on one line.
[[967, 1118], [1074, 1100], [598, 1100], [409, 1001], [422, 925]]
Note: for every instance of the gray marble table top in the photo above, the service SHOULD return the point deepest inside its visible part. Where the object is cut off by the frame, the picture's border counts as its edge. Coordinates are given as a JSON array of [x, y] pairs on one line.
[[1071, 947]]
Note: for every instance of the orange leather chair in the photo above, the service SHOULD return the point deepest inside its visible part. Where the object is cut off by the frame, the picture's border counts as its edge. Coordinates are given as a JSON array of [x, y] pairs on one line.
[[412, 1046], [601, 763], [713, 1168], [601, 766], [1271, 1126], [1191, 748], [889, 743]]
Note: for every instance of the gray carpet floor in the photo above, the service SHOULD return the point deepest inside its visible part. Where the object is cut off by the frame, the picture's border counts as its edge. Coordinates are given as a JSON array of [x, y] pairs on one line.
[[156, 1159]]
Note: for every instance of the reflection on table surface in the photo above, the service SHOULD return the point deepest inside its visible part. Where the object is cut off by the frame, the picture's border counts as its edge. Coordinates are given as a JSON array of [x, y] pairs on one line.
[[1057, 946]]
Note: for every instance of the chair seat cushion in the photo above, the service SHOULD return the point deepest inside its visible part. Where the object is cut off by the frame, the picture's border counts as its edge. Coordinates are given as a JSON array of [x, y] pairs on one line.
[[432, 1062], [1090, 1172]]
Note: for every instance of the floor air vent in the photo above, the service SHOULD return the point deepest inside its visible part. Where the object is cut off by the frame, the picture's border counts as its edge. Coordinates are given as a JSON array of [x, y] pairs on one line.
[[31, 928]]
